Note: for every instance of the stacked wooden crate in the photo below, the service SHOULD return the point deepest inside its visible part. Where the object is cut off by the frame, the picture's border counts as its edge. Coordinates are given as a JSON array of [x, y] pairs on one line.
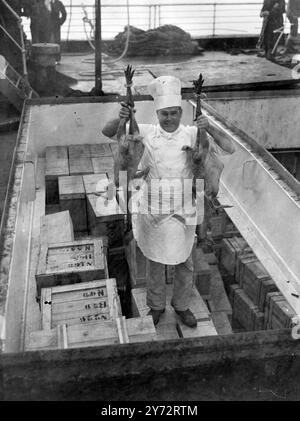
[[71, 262], [278, 312], [80, 161], [221, 225], [56, 228], [248, 283], [231, 249], [80, 303], [76, 160], [105, 217], [110, 332], [77, 177], [245, 311], [87, 314], [91, 158], [255, 280], [102, 156]]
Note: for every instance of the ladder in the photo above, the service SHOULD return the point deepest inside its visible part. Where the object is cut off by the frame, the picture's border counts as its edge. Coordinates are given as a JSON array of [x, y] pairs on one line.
[[14, 86]]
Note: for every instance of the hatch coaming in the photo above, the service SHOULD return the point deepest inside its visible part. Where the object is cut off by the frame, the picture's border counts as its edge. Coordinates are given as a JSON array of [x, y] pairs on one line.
[[271, 118]]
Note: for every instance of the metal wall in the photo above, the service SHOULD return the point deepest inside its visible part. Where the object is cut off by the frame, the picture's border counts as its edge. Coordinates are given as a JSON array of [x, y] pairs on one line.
[[274, 122]]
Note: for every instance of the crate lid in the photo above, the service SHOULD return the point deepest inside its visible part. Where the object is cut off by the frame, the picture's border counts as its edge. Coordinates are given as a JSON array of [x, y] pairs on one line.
[[79, 151], [104, 209], [71, 187], [94, 183], [103, 164], [100, 149]]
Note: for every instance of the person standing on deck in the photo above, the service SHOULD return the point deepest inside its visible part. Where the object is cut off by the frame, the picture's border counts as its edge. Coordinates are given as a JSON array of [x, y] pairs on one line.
[[273, 11], [292, 13], [164, 226], [58, 18], [40, 20]]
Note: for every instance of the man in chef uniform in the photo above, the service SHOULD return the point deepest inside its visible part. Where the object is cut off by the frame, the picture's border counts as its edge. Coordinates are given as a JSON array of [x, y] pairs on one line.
[[164, 226]]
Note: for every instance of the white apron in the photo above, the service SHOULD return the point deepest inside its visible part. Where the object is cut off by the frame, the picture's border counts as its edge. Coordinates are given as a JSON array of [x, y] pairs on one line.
[[163, 224]]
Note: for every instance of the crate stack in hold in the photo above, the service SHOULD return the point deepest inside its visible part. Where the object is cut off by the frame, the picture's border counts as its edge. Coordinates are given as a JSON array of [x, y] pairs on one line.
[[86, 314], [221, 225], [71, 262], [256, 301], [80, 304], [77, 179], [278, 312]]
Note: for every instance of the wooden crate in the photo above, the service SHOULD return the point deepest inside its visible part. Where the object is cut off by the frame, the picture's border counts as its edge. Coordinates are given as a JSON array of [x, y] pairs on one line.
[[268, 312], [267, 286], [245, 311], [251, 275], [72, 198], [166, 328], [231, 249], [71, 262], [57, 164], [100, 149], [56, 228], [100, 333], [80, 165], [79, 151], [278, 313], [202, 272], [102, 164], [141, 329], [80, 303], [138, 265], [95, 183], [105, 217], [204, 328]]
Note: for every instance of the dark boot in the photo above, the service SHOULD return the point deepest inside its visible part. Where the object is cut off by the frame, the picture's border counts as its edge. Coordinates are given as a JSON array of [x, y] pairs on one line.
[[187, 318], [155, 315]]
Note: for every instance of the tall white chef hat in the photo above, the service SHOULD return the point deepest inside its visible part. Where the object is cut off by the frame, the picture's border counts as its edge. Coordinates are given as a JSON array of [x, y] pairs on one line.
[[166, 92]]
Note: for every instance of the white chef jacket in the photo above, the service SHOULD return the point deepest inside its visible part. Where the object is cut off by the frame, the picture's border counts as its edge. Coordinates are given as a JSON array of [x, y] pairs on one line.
[[164, 230]]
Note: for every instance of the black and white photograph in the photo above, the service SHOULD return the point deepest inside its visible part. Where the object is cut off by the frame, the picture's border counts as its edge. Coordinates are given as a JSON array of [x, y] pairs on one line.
[[149, 204]]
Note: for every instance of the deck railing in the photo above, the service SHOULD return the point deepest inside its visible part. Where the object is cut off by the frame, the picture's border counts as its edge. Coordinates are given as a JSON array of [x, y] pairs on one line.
[[210, 19]]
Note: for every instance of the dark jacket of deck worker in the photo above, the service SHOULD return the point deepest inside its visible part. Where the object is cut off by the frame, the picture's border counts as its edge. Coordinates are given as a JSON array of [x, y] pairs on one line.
[[46, 18], [58, 18], [274, 10]]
